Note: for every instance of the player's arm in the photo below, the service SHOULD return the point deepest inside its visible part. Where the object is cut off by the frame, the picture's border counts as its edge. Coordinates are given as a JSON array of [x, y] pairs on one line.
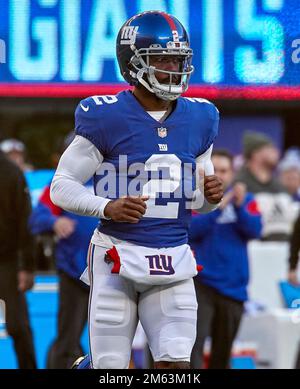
[[209, 192], [77, 165], [249, 219]]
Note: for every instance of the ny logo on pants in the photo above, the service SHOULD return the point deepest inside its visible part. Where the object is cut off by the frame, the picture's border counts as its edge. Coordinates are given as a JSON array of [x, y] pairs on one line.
[[160, 264]]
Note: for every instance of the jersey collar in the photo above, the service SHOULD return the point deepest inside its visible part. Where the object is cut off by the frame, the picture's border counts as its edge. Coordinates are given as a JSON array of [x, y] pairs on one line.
[[142, 113]]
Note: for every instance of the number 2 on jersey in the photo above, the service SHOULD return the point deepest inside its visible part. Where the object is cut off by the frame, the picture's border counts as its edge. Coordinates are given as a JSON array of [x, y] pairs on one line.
[[165, 185]]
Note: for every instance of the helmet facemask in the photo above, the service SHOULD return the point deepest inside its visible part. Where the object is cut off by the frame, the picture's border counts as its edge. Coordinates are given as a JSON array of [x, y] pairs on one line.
[[144, 73]]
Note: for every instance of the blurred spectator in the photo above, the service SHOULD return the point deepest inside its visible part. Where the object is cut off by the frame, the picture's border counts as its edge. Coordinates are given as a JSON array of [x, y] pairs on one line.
[[15, 151], [294, 253], [16, 259], [293, 264], [289, 172], [261, 160], [72, 234], [219, 240]]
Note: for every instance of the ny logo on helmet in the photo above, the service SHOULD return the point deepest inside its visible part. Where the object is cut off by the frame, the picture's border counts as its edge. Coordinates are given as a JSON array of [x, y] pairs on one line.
[[129, 35]]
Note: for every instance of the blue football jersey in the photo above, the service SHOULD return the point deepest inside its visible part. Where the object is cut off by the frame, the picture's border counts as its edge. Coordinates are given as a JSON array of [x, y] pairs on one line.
[[145, 157]]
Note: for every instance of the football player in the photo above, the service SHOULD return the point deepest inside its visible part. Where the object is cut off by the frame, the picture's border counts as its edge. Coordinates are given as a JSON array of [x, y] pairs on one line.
[[143, 148]]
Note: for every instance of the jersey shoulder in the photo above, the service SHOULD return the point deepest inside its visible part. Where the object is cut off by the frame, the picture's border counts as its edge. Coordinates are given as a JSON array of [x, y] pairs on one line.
[[92, 116], [97, 106], [200, 106], [204, 119]]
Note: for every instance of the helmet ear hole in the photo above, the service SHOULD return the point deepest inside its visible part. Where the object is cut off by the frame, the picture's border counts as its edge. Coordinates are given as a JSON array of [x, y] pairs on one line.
[[129, 65]]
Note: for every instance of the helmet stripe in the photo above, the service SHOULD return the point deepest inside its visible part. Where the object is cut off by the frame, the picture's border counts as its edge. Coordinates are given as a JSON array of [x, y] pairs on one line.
[[169, 20]]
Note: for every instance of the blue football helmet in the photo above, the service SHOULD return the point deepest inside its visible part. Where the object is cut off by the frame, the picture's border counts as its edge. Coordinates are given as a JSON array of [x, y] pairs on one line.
[[154, 33]]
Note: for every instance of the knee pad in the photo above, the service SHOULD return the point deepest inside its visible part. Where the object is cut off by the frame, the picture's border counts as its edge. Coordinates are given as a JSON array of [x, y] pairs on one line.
[[179, 301], [176, 342], [110, 361], [104, 358], [178, 331]]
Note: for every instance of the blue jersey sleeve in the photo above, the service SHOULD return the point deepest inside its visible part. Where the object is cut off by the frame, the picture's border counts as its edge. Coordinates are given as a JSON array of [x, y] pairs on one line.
[[249, 221], [204, 123], [41, 220], [88, 124]]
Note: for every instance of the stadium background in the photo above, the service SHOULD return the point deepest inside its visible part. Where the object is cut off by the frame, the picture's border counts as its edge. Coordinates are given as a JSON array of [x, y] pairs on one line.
[[55, 52]]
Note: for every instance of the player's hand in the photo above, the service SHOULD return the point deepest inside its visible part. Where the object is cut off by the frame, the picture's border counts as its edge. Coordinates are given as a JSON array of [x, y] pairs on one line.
[[239, 193], [292, 278], [126, 209], [213, 189], [25, 280], [64, 227], [226, 199]]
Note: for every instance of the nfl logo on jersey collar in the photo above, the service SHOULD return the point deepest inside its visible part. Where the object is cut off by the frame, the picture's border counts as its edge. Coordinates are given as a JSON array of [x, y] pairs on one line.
[[162, 132]]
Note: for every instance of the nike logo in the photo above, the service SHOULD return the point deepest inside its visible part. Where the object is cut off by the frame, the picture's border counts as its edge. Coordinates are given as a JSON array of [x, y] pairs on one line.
[[84, 108]]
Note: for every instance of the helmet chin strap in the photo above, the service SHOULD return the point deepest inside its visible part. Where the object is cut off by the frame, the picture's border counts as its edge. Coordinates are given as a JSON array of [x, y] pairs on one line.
[[140, 76], [164, 95]]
